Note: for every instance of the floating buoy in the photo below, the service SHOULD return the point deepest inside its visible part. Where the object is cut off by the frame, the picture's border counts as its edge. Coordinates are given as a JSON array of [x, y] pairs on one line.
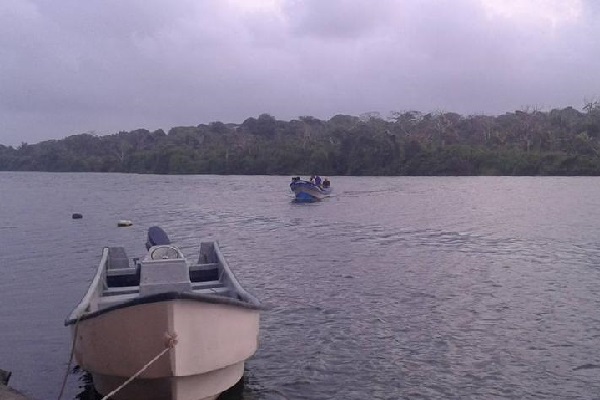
[[77, 216], [124, 222]]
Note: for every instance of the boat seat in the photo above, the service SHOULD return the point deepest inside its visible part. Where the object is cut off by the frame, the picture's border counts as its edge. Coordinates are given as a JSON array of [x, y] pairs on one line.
[[114, 291], [117, 258], [121, 271], [206, 285], [197, 267], [214, 290], [118, 277], [204, 272]]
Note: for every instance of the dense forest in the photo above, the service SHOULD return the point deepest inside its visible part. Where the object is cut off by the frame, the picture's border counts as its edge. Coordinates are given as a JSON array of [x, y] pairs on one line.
[[526, 142]]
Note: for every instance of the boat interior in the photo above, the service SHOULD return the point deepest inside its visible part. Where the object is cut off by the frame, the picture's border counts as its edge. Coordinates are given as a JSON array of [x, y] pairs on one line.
[[122, 276], [164, 270]]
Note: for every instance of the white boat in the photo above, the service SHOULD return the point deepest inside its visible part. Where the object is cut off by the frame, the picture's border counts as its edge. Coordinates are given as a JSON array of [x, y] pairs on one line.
[[195, 314]]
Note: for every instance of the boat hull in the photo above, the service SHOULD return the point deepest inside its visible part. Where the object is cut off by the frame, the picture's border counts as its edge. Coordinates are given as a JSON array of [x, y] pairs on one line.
[[212, 343], [306, 191], [195, 387]]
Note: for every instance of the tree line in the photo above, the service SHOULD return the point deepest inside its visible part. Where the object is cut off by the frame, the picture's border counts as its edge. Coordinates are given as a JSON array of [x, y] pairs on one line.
[[525, 142]]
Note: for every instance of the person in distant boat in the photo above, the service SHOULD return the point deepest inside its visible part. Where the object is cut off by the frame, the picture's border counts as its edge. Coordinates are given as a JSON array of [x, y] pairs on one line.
[[295, 178], [317, 180], [326, 183], [312, 179]]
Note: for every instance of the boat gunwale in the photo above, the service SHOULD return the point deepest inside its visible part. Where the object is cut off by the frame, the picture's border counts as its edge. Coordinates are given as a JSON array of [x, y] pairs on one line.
[[310, 188], [227, 271], [79, 311], [167, 296], [95, 288]]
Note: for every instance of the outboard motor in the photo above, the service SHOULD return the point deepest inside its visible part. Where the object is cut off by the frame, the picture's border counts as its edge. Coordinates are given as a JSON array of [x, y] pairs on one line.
[[156, 237]]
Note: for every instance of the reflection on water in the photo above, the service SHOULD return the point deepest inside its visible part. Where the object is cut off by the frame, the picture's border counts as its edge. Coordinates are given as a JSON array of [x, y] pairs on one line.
[[86, 384], [88, 392]]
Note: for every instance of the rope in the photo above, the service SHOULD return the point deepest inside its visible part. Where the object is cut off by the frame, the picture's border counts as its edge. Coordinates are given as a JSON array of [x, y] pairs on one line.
[[170, 342], [62, 389]]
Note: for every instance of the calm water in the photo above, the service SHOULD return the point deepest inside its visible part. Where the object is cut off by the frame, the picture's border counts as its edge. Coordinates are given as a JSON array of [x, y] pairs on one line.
[[396, 288]]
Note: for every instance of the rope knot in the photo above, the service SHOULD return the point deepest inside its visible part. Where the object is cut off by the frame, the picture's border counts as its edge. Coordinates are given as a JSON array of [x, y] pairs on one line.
[[170, 339]]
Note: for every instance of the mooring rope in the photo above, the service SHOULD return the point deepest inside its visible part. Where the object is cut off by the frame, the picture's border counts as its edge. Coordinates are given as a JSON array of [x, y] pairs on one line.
[[62, 389], [170, 342]]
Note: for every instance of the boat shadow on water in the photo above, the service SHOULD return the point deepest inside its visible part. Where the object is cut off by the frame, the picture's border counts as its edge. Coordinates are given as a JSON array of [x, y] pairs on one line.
[[89, 392]]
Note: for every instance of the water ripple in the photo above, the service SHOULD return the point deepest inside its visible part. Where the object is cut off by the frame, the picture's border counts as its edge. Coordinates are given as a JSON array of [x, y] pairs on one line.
[[397, 288]]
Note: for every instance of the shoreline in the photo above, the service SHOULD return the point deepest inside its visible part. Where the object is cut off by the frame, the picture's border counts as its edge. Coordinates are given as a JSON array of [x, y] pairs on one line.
[[6, 392]]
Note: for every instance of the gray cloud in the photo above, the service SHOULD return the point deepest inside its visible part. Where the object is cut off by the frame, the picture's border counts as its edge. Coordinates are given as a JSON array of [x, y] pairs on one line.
[[340, 19], [70, 67]]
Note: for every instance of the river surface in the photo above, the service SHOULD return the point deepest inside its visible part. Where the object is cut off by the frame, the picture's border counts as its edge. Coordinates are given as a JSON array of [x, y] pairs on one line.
[[394, 288]]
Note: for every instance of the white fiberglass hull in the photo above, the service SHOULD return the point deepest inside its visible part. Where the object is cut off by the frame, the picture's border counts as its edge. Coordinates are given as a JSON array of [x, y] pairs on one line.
[[212, 343]]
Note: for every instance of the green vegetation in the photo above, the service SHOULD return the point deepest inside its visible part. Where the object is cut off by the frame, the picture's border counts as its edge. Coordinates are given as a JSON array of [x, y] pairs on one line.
[[527, 142]]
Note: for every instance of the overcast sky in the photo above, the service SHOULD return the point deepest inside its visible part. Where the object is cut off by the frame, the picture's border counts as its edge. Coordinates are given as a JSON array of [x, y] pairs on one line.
[[76, 66]]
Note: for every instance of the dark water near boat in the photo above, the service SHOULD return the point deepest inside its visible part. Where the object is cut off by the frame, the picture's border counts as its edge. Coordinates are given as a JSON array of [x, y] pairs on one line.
[[395, 288]]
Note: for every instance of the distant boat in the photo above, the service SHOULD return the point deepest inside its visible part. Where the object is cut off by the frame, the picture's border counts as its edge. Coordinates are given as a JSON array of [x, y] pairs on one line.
[[195, 313], [307, 191]]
